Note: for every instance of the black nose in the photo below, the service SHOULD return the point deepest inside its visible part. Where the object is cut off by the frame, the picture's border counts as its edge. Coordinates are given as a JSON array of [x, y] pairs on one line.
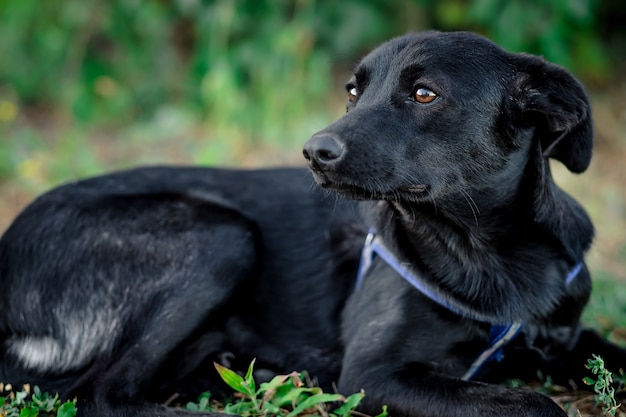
[[322, 150]]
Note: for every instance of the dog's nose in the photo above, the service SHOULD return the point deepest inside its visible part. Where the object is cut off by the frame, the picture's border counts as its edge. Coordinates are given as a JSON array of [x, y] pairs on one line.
[[322, 150]]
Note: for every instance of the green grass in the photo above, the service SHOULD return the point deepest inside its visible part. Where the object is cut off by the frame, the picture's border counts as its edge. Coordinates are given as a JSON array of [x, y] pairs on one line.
[[293, 395], [603, 385], [285, 396], [24, 403], [606, 310]]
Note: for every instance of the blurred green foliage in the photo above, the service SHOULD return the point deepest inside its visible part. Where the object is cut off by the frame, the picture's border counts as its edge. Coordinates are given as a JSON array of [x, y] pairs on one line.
[[229, 75], [120, 60], [564, 31]]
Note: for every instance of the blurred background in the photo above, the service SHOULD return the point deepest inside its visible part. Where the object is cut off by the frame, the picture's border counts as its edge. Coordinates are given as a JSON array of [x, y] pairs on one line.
[[88, 86]]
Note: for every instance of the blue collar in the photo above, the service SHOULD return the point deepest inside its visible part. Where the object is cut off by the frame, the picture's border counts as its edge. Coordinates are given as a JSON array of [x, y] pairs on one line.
[[500, 334]]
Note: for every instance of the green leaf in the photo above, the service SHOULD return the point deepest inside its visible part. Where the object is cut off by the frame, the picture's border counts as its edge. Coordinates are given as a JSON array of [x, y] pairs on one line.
[[314, 400], [67, 409], [270, 409], [293, 396], [231, 378], [20, 397], [191, 406], [384, 413], [274, 384], [29, 412], [241, 408], [43, 400], [588, 381], [249, 378], [203, 403], [350, 404]]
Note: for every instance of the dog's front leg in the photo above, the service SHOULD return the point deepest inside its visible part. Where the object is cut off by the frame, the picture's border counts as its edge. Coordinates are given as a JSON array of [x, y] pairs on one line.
[[414, 390], [409, 353]]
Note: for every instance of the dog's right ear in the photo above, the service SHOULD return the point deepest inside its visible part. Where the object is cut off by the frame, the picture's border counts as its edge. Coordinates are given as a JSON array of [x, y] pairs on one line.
[[550, 99]]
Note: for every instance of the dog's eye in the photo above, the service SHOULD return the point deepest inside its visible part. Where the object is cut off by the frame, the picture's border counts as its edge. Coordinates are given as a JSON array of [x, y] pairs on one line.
[[352, 93], [424, 95]]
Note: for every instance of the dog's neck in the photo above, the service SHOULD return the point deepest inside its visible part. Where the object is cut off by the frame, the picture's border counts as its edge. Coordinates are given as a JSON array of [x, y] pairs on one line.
[[487, 259]]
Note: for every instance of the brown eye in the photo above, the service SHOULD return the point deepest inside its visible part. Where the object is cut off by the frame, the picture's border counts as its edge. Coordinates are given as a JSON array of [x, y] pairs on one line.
[[352, 94], [424, 95]]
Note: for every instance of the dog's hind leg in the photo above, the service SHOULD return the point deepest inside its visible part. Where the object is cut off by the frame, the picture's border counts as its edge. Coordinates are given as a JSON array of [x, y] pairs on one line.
[[116, 286], [181, 310]]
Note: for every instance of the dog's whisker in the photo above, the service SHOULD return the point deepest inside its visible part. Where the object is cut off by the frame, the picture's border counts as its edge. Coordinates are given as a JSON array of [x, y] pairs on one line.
[[472, 205]]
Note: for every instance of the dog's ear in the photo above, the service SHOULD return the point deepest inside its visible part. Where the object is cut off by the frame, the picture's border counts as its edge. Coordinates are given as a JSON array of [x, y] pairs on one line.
[[550, 99]]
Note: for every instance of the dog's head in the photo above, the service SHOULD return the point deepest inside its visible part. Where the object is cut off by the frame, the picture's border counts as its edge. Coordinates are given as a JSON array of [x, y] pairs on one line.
[[433, 115], [453, 122]]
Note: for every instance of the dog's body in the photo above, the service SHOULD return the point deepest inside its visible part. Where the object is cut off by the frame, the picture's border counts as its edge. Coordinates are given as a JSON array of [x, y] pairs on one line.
[[199, 254], [123, 289]]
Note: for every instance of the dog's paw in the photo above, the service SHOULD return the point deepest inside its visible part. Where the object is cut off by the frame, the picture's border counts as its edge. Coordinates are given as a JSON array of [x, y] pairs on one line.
[[534, 404]]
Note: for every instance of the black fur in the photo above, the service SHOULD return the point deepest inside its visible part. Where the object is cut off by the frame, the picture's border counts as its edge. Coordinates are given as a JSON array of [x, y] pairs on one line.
[[123, 289]]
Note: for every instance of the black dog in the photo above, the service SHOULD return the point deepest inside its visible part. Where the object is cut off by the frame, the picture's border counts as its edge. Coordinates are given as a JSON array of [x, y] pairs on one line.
[[122, 290]]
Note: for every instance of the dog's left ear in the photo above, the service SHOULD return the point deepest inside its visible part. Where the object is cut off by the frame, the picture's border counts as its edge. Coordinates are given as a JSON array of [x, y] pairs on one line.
[[551, 100]]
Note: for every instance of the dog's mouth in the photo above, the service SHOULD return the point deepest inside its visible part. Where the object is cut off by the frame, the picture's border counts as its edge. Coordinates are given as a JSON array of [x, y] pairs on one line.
[[415, 192]]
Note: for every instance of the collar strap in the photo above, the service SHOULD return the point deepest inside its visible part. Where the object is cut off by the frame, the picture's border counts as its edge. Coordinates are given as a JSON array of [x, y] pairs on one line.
[[500, 334], [375, 246]]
